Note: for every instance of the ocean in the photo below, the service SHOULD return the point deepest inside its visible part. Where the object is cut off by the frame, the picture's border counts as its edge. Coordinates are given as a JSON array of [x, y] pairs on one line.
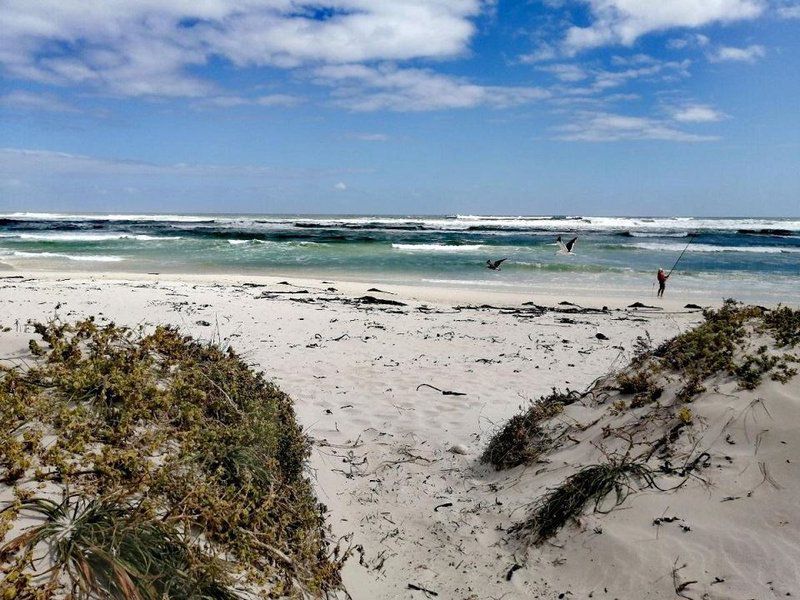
[[746, 258]]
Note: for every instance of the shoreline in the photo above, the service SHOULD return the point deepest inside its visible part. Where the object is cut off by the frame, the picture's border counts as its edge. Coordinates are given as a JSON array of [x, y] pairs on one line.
[[612, 297]]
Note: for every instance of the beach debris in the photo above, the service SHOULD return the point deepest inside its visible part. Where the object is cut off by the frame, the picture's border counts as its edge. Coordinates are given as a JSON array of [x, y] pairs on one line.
[[641, 305], [443, 392], [419, 588], [268, 293], [458, 449], [374, 300], [376, 290], [678, 584], [203, 323], [565, 307], [444, 505], [693, 306], [514, 568], [601, 336]]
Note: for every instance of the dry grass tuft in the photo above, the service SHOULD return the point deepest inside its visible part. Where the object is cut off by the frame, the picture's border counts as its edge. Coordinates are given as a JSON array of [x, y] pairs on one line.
[[524, 438], [591, 485]]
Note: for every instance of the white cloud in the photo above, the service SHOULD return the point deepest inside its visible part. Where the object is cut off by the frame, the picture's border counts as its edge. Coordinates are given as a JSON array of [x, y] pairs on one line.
[[696, 113], [750, 54], [37, 163], [596, 81], [697, 39], [340, 186], [609, 127], [624, 21], [566, 72], [145, 47], [542, 53], [234, 101], [667, 70], [24, 100], [369, 137], [633, 60], [788, 9], [362, 88]]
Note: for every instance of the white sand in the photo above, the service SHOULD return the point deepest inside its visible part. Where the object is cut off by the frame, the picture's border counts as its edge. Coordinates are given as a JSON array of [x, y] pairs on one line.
[[381, 462]]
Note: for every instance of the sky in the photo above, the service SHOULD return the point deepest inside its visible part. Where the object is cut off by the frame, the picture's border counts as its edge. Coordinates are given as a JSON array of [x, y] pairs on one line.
[[594, 107]]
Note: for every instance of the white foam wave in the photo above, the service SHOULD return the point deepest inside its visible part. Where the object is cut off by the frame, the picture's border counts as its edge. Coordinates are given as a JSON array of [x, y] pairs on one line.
[[75, 257], [709, 248], [646, 234], [154, 238], [437, 247], [84, 237], [37, 216], [248, 242], [457, 223], [567, 224]]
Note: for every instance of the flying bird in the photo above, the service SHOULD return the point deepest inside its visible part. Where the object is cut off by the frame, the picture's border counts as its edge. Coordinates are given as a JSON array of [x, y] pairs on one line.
[[494, 265], [565, 248]]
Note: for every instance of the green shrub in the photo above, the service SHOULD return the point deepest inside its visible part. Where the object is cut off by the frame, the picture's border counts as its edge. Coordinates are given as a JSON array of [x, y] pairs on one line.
[[175, 429], [784, 324]]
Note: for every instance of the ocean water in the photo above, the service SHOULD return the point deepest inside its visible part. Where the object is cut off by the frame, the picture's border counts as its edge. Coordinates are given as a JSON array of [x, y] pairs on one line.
[[744, 258]]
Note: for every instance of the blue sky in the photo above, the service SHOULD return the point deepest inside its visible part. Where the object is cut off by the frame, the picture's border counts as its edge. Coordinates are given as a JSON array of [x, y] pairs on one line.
[[416, 106]]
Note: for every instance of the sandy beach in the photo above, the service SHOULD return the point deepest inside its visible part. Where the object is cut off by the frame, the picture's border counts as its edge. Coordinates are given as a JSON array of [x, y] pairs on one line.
[[395, 459], [399, 300]]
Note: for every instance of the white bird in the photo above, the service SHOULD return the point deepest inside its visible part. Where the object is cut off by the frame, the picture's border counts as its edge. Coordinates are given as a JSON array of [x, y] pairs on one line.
[[565, 248]]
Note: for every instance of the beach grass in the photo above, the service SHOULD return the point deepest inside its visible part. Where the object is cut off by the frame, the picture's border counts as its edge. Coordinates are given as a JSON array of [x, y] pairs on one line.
[[738, 343], [591, 485], [523, 438]]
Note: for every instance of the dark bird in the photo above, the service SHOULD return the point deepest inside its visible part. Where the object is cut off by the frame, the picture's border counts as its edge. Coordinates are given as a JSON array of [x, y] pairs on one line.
[[566, 248], [494, 265]]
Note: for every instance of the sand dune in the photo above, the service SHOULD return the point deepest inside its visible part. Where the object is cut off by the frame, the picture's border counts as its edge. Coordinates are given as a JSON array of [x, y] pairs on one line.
[[397, 464]]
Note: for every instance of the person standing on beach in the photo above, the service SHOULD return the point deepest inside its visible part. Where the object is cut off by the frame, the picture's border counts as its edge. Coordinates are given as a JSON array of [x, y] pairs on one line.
[[662, 282]]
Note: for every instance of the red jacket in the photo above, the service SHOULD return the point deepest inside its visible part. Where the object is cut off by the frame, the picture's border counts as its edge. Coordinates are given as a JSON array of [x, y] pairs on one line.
[[662, 277]]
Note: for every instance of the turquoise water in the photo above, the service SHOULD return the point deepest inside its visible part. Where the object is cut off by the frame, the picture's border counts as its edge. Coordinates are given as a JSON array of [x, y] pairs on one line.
[[759, 257]]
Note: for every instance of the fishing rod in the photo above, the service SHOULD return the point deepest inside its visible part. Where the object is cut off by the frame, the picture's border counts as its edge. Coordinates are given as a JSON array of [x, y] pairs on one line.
[[691, 239]]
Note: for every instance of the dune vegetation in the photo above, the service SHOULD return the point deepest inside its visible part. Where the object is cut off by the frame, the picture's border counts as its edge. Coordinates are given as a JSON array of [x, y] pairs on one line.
[[641, 412], [147, 466]]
